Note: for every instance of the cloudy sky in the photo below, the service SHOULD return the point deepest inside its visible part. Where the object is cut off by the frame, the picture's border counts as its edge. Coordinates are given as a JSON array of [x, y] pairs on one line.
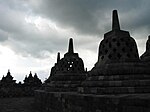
[[33, 31]]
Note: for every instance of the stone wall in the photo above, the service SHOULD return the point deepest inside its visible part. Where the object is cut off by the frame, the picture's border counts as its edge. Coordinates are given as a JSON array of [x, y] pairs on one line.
[[74, 102]]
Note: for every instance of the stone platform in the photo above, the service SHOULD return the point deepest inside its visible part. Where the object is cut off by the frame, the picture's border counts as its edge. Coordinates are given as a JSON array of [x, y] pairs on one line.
[[74, 102], [119, 78]]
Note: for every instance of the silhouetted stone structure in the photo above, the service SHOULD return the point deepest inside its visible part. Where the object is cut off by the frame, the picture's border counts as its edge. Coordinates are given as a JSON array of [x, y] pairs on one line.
[[9, 87], [146, 56], [119, 69], [68, 72], [32, 80], [119, 81], [8, 80], [31, 83], [117, 46]]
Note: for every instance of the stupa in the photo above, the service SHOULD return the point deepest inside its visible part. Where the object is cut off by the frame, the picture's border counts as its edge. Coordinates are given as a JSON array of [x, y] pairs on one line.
[[117, 45], [146, 56], [8, 80], [68, 72], [118, 69]]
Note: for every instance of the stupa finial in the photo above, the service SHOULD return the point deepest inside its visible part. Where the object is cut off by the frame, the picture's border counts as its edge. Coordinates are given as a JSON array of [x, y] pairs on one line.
[[115, 21], [8, 73], [70, 49], [58, 57]]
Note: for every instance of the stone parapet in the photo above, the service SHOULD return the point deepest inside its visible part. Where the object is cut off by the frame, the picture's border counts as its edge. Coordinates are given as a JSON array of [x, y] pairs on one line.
[[74, 102]]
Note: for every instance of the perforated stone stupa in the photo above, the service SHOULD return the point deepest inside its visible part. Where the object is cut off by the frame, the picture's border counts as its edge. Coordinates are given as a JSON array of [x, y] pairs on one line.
[[118, 69], [117, 45], [68, 72]]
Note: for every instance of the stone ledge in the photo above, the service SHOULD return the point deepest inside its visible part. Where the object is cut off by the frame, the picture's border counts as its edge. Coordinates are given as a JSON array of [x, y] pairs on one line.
[[74, 102]]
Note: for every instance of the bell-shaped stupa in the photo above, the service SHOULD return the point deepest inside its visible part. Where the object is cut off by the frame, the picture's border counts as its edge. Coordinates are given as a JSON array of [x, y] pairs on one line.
[[117, 45], [68, 72], [118, 69], [146, 55]]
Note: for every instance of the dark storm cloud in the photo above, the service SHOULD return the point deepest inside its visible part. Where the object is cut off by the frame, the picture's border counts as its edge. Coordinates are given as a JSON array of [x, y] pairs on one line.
[[76, 14], [87, 16]]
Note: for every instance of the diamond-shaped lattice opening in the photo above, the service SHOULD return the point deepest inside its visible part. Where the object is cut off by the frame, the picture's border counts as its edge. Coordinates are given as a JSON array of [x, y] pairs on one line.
[[123, 49], [118, 44], [114, 40], [110, 45], [106, 51], [128, 55], [122, 39], [114, 49], [127, 43], [119, 55], [102, 57], [109, 56]]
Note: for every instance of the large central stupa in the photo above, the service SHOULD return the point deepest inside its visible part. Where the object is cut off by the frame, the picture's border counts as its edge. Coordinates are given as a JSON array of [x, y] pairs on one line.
[[117, 46], [119, 69]]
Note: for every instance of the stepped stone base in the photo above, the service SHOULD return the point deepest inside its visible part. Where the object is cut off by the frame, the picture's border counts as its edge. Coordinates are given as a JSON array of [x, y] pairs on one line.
[[121, 69], [74, 102], [119, 78], [64, 83]]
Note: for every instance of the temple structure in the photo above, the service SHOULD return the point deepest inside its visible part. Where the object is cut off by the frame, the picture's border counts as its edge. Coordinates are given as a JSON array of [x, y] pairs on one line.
[[146, 56], [118, 69], [8, 80], [119, 81], [32, 80], [68, 72], [117, 46]]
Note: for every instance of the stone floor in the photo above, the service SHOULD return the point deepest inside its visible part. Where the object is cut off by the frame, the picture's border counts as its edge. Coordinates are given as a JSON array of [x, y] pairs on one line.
[[24, 104]]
